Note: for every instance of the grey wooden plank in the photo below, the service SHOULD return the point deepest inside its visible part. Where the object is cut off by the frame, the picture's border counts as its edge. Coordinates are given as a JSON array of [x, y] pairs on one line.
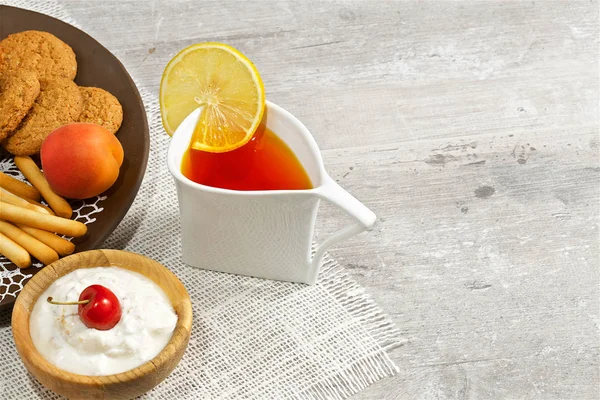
[[377, 75], [471, 128], [497, 285]]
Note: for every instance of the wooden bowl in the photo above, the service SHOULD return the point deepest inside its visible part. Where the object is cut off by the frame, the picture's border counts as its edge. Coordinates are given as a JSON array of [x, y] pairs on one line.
[[124, 385]]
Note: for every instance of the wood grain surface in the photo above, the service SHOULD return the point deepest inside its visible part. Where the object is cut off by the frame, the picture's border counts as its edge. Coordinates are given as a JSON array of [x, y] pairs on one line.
[[471, 129]]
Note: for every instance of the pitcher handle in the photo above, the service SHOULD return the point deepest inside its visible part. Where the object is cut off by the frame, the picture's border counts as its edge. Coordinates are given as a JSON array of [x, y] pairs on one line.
[[338, 196]]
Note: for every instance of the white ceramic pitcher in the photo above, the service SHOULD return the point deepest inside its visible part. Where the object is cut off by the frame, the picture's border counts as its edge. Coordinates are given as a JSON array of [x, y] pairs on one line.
[[266, 234]]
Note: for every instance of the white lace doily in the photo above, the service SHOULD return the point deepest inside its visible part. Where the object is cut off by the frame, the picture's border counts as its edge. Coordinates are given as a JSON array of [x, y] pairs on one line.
[[12, 277]]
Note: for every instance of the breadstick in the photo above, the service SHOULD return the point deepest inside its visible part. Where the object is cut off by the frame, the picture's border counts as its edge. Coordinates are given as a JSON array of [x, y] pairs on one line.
[[33, 246], [19, 188], [62, 246], [8, 197], [14, 252], [32, 202], [35, 203], [38, 180], [51, 223]]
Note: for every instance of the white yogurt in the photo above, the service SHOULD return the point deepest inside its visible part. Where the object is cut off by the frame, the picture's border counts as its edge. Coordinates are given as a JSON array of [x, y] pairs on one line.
[[146, 325]]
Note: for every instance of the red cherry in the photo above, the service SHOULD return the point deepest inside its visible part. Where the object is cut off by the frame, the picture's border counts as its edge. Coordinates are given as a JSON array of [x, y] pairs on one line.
[[98, 308], [103, 310]]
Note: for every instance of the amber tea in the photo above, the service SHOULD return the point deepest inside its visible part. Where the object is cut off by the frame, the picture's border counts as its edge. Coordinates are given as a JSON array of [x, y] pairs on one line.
[[264, 163]]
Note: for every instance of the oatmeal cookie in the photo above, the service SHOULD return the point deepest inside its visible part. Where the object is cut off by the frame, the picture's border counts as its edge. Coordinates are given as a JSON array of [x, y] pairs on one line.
[[40, 52], [17, 94], [59, 103], [102, 108]]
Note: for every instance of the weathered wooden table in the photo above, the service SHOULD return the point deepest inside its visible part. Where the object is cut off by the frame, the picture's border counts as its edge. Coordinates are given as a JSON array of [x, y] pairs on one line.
[[471, 129]]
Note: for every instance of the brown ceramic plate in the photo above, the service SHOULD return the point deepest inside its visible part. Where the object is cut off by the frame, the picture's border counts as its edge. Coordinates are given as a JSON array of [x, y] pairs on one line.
[[96, 66]]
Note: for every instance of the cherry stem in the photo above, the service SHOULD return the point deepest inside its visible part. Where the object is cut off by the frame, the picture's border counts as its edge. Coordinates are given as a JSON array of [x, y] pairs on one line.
[[66, 303]]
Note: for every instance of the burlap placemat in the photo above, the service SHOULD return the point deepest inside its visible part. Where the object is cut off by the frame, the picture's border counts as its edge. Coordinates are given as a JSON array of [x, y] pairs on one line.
[[251, 338]]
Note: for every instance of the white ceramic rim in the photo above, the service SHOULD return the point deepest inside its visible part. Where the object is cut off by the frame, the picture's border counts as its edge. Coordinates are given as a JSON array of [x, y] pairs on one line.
[[175, 169]]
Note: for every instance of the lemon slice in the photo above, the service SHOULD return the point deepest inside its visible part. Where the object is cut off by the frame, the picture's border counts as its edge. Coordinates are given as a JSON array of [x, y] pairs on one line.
[[225, 83]]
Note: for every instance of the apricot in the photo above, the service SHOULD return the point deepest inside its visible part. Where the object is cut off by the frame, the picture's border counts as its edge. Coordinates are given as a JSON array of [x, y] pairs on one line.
[[81, 160]]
